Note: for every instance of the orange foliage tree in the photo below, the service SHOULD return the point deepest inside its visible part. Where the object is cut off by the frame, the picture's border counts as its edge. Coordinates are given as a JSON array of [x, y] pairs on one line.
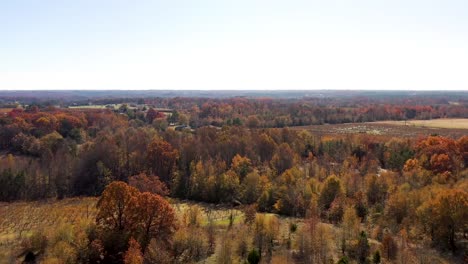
[[445, 216], [133, 254], [438, 154], [123, 209], [462, 144], [115, 207], [148, 183], [155, 218], [241, 165], [161, 158]]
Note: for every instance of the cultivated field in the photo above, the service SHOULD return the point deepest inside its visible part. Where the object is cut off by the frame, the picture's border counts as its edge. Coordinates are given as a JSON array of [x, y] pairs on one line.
[[454, 128], [456, 123], [20, 219], [5, 111]]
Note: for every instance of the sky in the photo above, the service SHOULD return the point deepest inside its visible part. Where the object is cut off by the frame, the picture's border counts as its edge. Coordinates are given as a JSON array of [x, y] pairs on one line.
[[234, 45]]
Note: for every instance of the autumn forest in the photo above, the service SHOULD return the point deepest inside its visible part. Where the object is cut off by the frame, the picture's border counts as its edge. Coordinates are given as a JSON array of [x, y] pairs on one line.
[[233, 179]]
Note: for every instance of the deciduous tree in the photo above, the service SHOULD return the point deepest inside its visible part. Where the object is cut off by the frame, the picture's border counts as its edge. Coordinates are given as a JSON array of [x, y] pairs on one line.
[[116, 207], [331, 190], [161, 158], [133, 255], [148, 183], [155, 218], [444, 216]]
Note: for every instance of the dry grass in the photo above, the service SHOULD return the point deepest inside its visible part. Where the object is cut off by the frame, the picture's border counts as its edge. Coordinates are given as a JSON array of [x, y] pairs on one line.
[[452, 123], [20, 219], [5, 110]]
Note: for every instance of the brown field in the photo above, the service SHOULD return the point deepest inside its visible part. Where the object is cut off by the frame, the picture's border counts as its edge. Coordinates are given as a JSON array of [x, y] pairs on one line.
[[392, 129], [20, 219], [5, 111], [452, 123]]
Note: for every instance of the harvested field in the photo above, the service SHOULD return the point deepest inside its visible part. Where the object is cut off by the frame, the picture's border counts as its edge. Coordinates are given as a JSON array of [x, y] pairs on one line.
[[20, 219], [5, 111], [394, 129], [451, 123]]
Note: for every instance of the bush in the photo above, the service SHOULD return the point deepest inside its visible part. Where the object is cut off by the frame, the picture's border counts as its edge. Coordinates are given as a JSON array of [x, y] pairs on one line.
[[343, 260], [253, 257], [376, 259]]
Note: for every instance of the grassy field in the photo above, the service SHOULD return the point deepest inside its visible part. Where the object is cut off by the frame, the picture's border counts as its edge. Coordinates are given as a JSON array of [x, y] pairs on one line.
[[19, 220], [452, 123], [89, 107]]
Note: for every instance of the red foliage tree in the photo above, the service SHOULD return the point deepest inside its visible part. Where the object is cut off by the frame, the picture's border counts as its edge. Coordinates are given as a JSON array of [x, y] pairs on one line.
[[156, 218], [115, 207], [161, 158], [151, 183]]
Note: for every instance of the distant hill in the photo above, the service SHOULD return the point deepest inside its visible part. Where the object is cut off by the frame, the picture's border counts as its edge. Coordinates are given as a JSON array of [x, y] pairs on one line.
[[72, 95]]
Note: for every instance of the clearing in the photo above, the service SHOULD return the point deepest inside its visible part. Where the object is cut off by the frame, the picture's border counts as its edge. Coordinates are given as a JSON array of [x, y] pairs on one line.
[[457, 123], [20, 219], [453, 128]]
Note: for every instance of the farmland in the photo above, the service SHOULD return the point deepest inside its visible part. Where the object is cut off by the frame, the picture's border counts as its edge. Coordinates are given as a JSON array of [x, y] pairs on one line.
[[285, 181], [453, 128], [451, 123], [20, 220], [233, 132]]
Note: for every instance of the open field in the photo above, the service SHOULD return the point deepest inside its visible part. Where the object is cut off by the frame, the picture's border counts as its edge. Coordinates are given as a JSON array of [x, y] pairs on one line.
[[5, 111], [106, 106], [90, 107], [455, 123], [393, 128], [117, 106], [19, 220]]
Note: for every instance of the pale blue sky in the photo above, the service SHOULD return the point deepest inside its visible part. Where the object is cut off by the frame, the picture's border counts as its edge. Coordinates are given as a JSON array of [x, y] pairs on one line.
[[110, 44]]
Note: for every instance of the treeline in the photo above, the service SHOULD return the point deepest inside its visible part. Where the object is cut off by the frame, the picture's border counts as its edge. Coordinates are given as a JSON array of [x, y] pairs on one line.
[[390, 185], [263, 112]]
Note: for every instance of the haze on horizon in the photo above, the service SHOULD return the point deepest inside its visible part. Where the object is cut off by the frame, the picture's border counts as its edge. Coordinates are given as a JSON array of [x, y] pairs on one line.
[[234, 45]]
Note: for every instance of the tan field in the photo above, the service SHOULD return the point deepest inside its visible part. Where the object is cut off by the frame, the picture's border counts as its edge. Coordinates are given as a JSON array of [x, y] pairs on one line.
[[457, 123]]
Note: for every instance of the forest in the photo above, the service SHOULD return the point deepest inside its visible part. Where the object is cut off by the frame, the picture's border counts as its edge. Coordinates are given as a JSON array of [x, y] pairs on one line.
[[302, 197]]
